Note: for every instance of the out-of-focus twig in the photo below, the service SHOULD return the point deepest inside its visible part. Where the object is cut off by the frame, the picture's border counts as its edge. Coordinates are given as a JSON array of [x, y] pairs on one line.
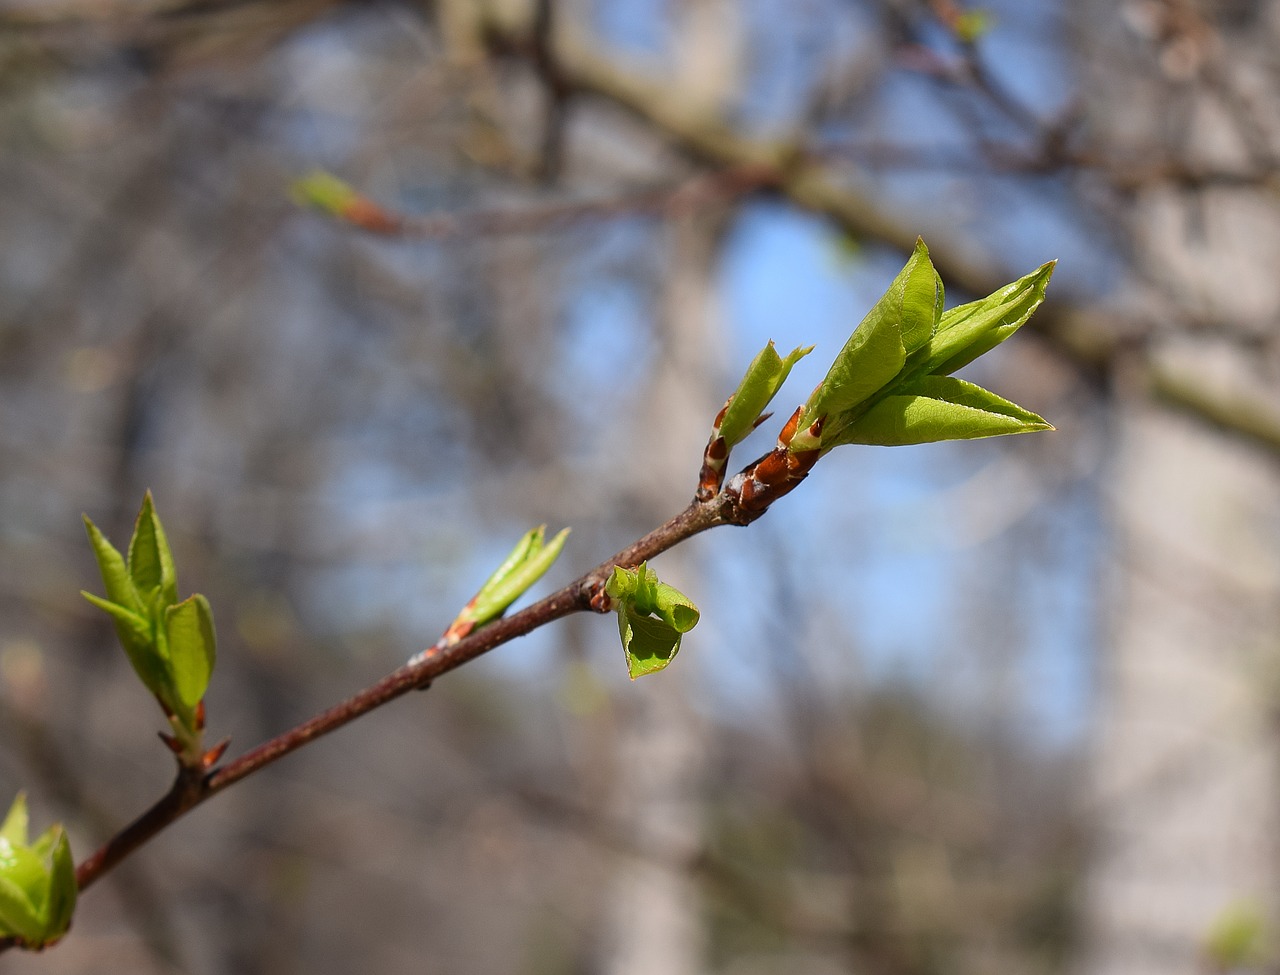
[[332, 195]]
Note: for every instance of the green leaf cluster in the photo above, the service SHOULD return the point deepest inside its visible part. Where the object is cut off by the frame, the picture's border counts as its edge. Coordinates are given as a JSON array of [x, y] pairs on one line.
[[37, 881], [652, 617], [170, 644], [526, 564], [891, 384]]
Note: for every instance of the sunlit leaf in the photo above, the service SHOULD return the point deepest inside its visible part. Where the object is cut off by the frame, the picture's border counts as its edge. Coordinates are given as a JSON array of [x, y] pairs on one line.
[[37, 881], [652, 618], [150, 561], [192, 647], [902, 320], [940, 408], [15, 826], [971, 330], [138, 641], [115, 574], [921, 298], [22, 866], [649, 643], [526, 564], [324, 191], [63, 889], [18, 916], [764, 377]]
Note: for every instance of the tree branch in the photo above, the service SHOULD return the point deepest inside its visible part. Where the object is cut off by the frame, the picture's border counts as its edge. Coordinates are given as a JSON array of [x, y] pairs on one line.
[[191, 788]]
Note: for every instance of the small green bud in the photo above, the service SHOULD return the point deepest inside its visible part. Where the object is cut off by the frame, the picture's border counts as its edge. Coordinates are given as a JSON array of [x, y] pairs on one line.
[[37, 881]]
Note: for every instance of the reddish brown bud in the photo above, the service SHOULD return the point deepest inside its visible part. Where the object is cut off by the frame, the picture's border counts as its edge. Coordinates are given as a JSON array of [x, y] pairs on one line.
[[789, 429], [369, 216], [458, 629], [723, 410], [772, 468], [210, 758], [711, 475]]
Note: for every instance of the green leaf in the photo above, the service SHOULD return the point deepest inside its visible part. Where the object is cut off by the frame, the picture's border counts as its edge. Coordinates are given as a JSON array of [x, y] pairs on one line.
[[63, 889], [530, 541], [14, 828], [652, 618], [1238, 938], [135, 628], [871, 358], [115, 576], [764, 377], [23, 867], [968, 331], [939, 408], [192, 648], [18, 916], [674, 608], [902, 320], [526, 564], [150, 561], [138, 640], [37, 882], [650, 644], [323, 191], [922, 298], [971, 25]]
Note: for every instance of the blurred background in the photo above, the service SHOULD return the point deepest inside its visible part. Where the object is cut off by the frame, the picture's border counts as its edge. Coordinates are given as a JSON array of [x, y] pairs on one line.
[[1007, 706]]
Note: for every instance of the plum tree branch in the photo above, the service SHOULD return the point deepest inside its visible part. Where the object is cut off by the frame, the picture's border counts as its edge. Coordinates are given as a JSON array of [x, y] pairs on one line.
[[191, 788]]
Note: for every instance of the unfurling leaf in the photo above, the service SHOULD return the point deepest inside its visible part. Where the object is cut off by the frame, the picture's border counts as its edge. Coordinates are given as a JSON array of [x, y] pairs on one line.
[[888, 384], [138, 640], [192, 648], [325, 192], [652, 618], [743, 412], [974, 329], [115, 574], [150, 561], [526, 564], [16, 824], [37, 881], [764, 377], [169, 643]]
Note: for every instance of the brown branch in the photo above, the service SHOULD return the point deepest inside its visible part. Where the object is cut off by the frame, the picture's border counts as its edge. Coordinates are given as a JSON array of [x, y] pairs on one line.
[[191, 788], [586, 593]]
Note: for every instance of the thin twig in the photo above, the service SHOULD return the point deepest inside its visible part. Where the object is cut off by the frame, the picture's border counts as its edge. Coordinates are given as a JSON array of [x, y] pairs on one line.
[[703, 190], [192, 788]]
